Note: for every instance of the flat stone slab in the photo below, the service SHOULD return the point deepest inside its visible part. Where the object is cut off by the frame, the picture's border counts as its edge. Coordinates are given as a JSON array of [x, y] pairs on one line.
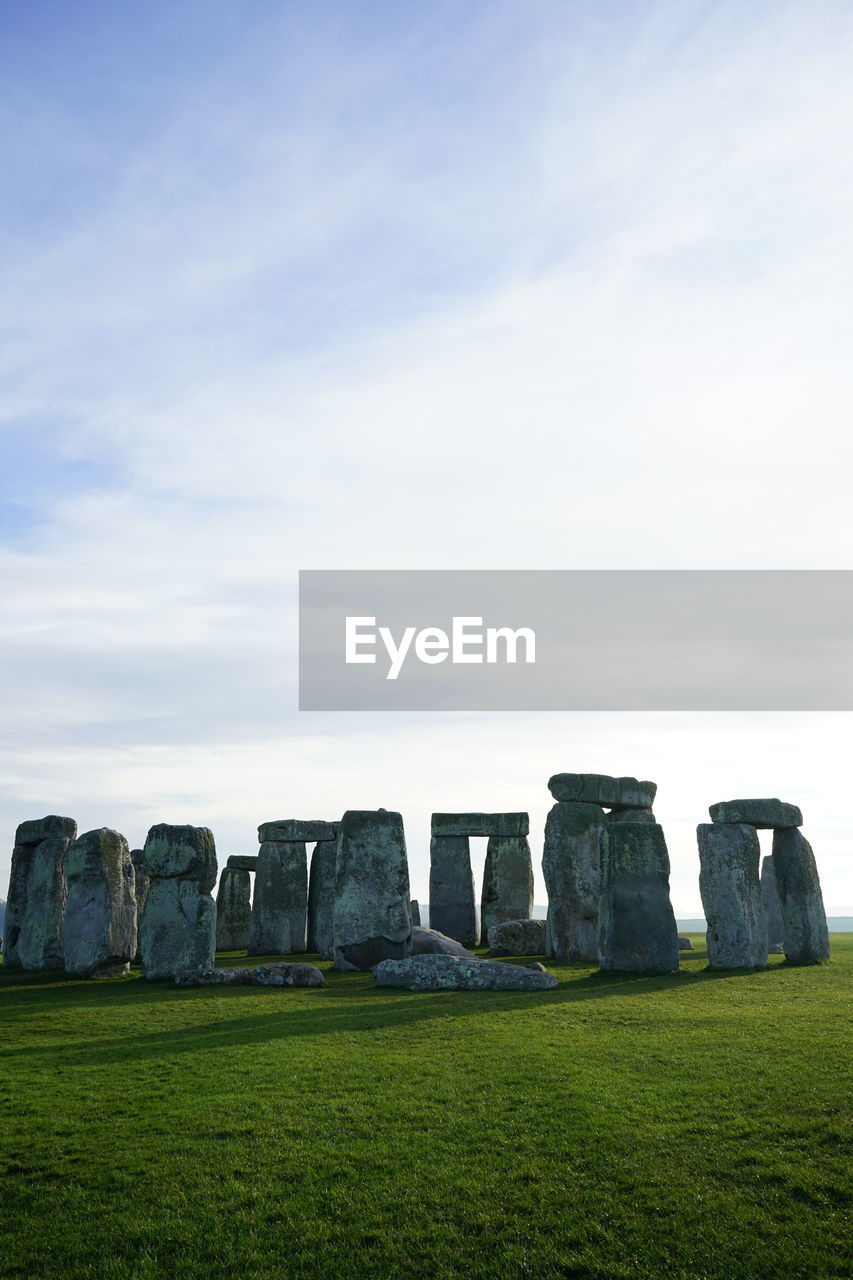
[[265, 975], [481, 824], [765, 814], [600, 788], [289, 830], [242, 862], [50, 828], [518, 938], [454, 973]]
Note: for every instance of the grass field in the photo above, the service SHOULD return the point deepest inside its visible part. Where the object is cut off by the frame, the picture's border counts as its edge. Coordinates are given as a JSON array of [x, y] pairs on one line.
[[687, 1126]]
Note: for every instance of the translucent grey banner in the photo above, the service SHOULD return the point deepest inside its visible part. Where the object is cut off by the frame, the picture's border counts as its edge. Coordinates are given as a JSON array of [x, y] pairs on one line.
[[576, 640]]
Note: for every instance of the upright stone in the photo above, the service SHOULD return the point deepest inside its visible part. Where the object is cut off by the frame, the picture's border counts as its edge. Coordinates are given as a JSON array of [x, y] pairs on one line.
[[571, 863], [452, 905], [415, 912], [280, 905], [140, 883], [636, 926], [806, 933], [372, 912], [507, 882], [321, 899], [772, 908], [36, 903], [100, 908], [179, 920], [729, 855], [234, 910]]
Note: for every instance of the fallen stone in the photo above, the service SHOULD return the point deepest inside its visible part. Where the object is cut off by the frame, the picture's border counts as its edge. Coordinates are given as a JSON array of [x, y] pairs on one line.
[[772, 908], [280, 903], [287, 975], [372, 897], [297, 831], [452, 906], [764, 814], [729, 855], [215, 978], [684, 944], [507, 882], [480, 824], [415, 911], [517, 938], [631, 815], [242, 862], [636, 927], [321, 899], [33, 932], [430, 942], [806, 934], [99, 926], [234, 910], [187, 853], [454, 973], [599, 788], [178, 930], [571, 864]]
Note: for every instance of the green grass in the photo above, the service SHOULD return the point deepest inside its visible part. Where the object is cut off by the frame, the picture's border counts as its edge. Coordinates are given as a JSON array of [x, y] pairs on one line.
[[687, 1126]]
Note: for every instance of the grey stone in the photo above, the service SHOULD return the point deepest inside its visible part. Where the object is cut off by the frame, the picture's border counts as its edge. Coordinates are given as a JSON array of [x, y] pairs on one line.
[[772, 908], [187, 853], [454, 973], [430, 942], [234, 910], [764, 814], [140, 885], [729, 855], [600, 788], [636, 925], [571, 864], [684, 943], [36, 901], [178, 928], [806, 933], [297, 831], [53, 827], [287, 975], [99, 926], [480, 824], [631, 815], [215, 978], [538, 967], [280, 903], [415, 911], [372, 917], [452, 906], [242, 862], [321, 899], [517, 938], [507, 882]]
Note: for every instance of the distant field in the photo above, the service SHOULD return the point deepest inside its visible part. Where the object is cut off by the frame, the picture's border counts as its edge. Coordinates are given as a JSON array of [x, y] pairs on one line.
[[688, 1126]]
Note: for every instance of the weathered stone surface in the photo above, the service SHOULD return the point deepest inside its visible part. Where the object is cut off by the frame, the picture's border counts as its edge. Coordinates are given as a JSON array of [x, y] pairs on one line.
[[480, 824], [806, 934], [729, 855], [234, 910], [297, 831], [280, 904], [372, 916], [181, 852], [631, 815], [507, 882], [757, 813], [452, 906], [771, 905], [517, 938], [415, 911], [140, 885], [33, 932], [430, 942], [599, 788], [265, 975], [636, 925], [454, 973], [99, 925], [242, 862], [215, 978], [321, 899], [571, 864], [684, 943]]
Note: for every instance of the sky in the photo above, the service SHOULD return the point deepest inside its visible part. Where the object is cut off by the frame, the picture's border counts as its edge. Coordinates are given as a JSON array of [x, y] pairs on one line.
[[326, 285]]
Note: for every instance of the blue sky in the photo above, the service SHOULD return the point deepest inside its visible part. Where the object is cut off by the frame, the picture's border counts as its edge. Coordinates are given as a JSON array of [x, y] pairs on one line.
[[343, 285]]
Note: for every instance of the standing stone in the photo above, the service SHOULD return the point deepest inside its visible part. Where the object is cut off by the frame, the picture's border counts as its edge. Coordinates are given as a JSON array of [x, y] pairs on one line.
[[806, 933], [507, 882], [571, 863], [321, 899], [729, 855], [140, 884], [100, 908], [452, 906], [772, 908], [179, 920], [372, 913], [242, 862], [280, 905], [415, 912], [36, 903], [234, 910], [636, 926]]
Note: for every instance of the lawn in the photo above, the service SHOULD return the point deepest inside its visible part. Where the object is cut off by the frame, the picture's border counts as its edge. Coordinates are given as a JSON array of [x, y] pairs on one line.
[[684, 1126]]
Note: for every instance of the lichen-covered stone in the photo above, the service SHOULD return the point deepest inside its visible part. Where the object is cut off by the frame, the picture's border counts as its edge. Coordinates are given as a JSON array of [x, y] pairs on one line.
[[729, 856], [280, 904], [455, 973], [33, 932], [600, 788], [178, 930], [481, 824], [636, 925], [297, 831], [517, 938], [430, 942], [631, 815], [234, 910], [321, 899], [372, 914], [507, 882], [242, 862], [797, 881], [140, 887], [99, 925], [53, 827], [415, 911], [764, 814], [181, 852], [571, 864], [452, 905], [772, 908], [287, 975]]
